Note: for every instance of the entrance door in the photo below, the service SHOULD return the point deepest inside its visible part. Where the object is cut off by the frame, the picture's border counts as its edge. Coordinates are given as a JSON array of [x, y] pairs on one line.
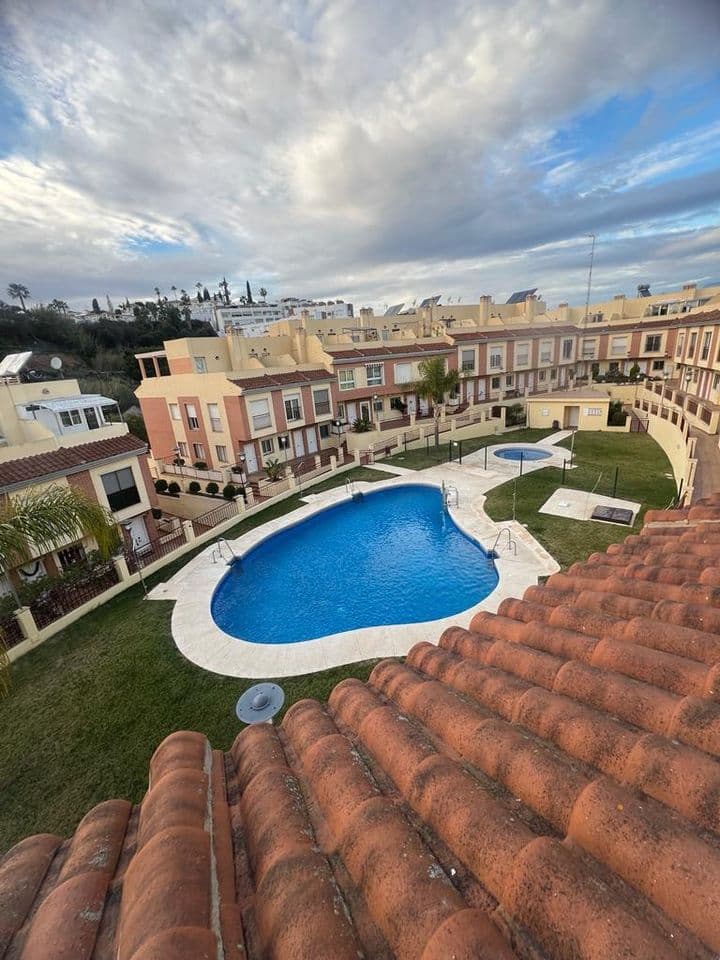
[[351, 410], [311, 440], [572, 418], [251, 463], [92, 419], [365, 410], [411, 403], [298, 443], [424, 406], [137, 532], [531, 381]]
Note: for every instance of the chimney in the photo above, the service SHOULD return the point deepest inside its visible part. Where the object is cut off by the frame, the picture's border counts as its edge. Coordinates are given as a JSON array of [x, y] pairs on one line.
[[530, 307], [690, 290], [619, 299], [563, 312], [484, 314]]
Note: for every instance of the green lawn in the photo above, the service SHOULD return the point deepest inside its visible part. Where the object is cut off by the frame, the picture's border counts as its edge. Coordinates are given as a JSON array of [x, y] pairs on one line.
[[431, 455], [89, 706], [642, 468]]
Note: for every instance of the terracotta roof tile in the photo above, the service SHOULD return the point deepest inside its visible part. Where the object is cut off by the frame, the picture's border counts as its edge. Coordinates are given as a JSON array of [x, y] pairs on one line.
[[267, 381], [67, 460], [543, 784]]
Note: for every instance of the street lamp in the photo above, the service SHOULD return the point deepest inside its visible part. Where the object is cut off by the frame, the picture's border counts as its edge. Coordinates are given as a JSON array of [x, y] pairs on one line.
[[284, 443], [241, 469], [458, 444]]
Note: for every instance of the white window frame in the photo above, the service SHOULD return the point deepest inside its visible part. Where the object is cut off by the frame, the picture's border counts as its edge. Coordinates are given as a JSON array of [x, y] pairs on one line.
[[221, 453], [567, 348], [214, 417], [618, 346], [175, 411], [467, 366], [182, 449], [197, 446], [327, 401], [652, 337], [200, 364], [260, 420], [192, 417], [267, 446], [295, 414], [399, 372], [71, 418], [496, 358], [522, 355], [346, 379], [377, 378]]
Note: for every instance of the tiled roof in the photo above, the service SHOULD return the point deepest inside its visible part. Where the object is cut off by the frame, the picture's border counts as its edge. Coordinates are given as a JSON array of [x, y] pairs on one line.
[[545, 784], [512, 333], [67, 460], [269, 380], [387, 350]]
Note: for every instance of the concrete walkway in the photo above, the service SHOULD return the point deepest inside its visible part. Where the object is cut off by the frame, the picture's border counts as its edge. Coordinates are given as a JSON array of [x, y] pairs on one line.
[[707, 473], [557, 437]]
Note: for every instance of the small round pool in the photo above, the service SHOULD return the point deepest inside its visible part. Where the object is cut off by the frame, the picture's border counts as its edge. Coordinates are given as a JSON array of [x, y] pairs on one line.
[[522, 453]]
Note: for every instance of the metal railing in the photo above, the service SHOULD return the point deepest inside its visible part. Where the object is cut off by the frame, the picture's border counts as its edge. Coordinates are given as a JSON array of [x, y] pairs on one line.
[[512, 543]]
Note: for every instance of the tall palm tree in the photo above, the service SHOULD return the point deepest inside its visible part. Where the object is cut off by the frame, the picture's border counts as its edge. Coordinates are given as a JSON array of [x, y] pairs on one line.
[[59, 306], [18, 291], [38, 521], [263, 292], [434, 383], [157, 293]]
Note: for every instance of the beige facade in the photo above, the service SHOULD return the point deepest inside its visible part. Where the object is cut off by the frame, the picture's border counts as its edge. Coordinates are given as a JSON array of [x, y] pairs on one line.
[[569, 410]]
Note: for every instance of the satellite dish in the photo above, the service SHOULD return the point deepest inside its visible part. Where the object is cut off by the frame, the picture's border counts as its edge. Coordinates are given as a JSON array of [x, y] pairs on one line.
[[260, 703], [56, 363]]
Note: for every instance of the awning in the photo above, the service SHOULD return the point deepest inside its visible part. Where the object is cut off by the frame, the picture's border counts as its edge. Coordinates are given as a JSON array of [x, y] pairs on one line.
[[82, 401]]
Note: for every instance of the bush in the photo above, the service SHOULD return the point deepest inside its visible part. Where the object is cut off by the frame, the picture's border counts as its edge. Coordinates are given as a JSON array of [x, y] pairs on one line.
[[616, 415], [212, 488], [173, 488], [273, 468], [161, 485], [200, 465], [634, 370], [229, 491], [362, 425], [194, 487], [156, 512], [514, 415]]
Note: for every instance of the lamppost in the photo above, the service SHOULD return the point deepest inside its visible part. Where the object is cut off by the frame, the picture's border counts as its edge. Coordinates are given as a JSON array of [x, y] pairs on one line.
[[458, 444], [375, 400], [241, 468], [284, 443], [337, 428], [666, 377]]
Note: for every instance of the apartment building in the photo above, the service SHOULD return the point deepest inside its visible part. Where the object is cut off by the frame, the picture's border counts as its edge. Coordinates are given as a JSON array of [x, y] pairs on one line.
[[52, 433]]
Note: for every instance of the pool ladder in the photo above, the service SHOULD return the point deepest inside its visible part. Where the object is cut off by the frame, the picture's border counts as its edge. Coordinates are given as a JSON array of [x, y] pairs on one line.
[[451, 497], [512, 544], [351, 491], [217, 553]]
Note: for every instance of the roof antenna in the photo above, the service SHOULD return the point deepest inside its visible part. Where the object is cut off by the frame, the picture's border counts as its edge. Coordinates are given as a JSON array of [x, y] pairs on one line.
[[260, 703], [592, 257]]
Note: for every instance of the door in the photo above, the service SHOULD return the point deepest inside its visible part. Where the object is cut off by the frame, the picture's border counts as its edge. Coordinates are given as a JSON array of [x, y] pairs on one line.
[[312, 446], [298, 443], [351, 410], [531, 382], [411, 404], [138, 535], [424, 406], [365, 411], [572, 417], [92, 418], [251, 464]]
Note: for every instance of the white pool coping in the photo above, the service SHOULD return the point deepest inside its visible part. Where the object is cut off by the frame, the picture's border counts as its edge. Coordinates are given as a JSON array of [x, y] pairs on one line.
[[201, 641]]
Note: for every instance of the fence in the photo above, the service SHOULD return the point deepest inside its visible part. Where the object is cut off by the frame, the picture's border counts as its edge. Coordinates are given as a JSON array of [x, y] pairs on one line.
[[63, 598], [10, 632], [138, 559], [206, 521], [192, 472]]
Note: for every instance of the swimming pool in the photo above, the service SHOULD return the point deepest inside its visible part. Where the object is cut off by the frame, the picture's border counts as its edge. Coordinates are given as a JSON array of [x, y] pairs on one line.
[[522, 453], [395, 556]]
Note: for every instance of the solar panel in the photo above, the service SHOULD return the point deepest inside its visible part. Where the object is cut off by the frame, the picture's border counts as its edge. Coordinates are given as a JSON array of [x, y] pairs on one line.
[[13, 363], [521, 295], [431, 301], [394, 310]]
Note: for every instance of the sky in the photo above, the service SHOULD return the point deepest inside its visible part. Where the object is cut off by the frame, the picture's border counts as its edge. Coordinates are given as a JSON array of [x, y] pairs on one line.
[[377, 151]]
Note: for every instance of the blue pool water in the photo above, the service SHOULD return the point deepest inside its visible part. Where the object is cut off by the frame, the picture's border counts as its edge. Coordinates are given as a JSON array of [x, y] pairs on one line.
[[528, 453], [394, 556]]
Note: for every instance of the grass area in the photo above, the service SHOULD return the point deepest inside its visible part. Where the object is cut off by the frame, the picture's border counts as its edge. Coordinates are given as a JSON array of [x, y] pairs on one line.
[[431, 456], [88, 707], [642, 468]]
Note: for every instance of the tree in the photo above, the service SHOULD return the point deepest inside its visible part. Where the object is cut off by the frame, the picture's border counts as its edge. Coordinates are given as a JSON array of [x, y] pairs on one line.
[[18, 291], [249, 292], [95, 305], [206, 293], [225, 287], [434, 383], [36, 522], [174, 291], [60, 306], [263, 292], [157, 293]]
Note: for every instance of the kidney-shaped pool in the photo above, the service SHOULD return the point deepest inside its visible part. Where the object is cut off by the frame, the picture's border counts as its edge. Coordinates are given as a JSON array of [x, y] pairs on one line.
[[390, 557]]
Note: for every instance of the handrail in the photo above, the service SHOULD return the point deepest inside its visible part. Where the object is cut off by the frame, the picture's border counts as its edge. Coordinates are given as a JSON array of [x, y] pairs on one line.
[[512, 543], [219, 542]]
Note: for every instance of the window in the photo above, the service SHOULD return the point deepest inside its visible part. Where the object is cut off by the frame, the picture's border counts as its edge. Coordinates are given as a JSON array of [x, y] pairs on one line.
[[593, 411], [403, 372], [292, 408], [680, 344], [495, 383], [374, 374], [707, 337], [567, 349], [267, 446], [546, 352], [70, 418], [522, 355], [495, 359], [120, 489], [541, 375], [324, 431], [658, 364], [260, 413], [191, 414], [198, 451], [691, 345], [652, 343], [341, 411], [588, 349], [508, 381], [467, 360], [221, 453], [378, 405], [214, 415], [148, 367], [200, 364], [346, 379], [174, 411], [553, 374], [618, 345], [182, 448], [163, 366], [321, 401], [71, 555], [716, 381]]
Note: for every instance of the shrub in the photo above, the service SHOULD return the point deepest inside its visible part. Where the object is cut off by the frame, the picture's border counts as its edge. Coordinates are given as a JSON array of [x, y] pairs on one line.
[[514, 415], [273, 468], [634, 370], [229, 491], [200, 465], [616, 415], [362, 425], [156, 512], [173, 488], [161, 485], [194, 487], [212, 488]]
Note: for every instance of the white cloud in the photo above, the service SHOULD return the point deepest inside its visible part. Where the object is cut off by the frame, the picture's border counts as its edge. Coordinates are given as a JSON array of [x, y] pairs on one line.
[[327, 147]]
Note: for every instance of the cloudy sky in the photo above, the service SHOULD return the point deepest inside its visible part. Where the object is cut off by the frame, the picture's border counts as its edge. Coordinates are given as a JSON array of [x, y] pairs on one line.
[[377, 151]]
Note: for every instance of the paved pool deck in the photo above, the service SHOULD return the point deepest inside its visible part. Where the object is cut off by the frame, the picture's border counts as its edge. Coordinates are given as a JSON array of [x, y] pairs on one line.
[[201, 641]]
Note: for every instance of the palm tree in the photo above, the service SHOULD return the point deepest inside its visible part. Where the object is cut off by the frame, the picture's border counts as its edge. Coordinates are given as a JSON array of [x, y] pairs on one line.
[[35, 522], [18, 291], [157, 293], [59, 306], [435, 381], [263, 292], [174, 291]]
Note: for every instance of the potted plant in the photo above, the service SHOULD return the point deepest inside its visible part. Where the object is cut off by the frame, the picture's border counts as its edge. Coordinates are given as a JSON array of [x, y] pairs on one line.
[[161, 485], [212, 488], [173, 489], [200, 465], [229, 491], [274, 469], [193, 487], [362, 425]]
